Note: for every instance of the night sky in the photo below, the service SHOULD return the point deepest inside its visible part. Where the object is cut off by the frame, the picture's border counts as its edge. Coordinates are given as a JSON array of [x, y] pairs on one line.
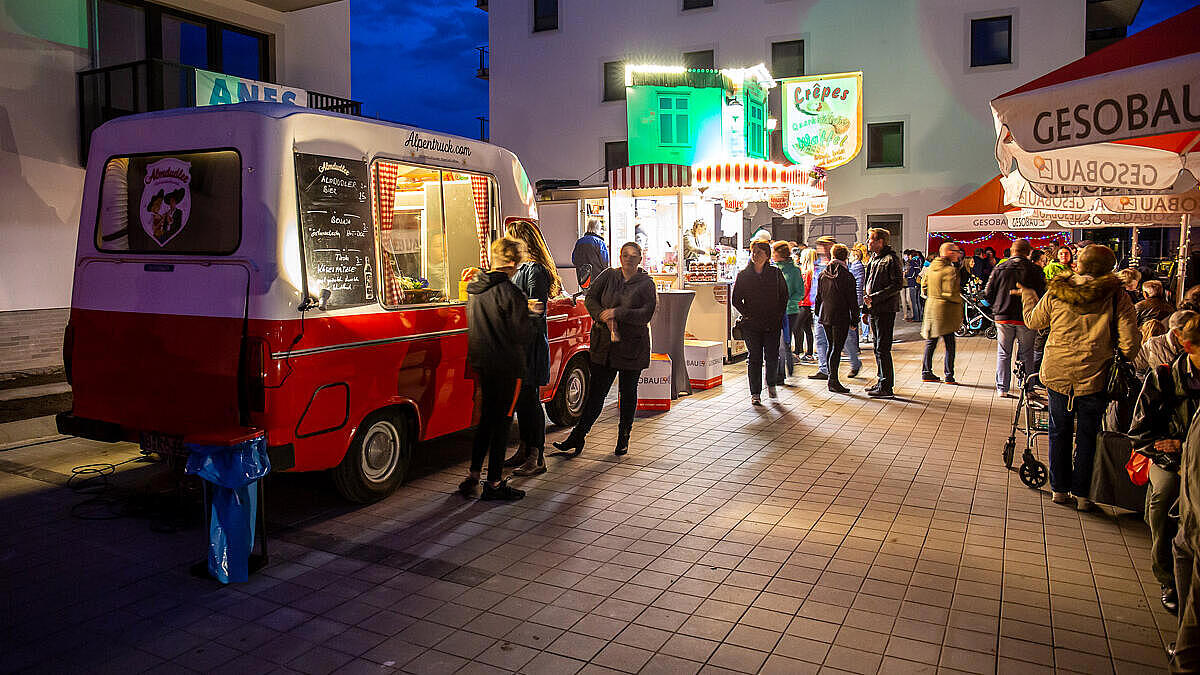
[[414, 61]]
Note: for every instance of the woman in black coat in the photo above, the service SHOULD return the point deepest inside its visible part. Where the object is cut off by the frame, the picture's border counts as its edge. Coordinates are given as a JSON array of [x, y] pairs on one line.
[[837, 309], [760, 295], [538, 280], [621, 302], [498, 332]]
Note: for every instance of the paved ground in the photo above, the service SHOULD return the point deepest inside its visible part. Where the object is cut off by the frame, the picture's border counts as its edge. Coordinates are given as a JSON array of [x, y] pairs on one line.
[[819, 533]]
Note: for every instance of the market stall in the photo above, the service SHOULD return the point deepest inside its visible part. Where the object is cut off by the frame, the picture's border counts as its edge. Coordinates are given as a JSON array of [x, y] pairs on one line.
[[985, 219], [1117, 123]]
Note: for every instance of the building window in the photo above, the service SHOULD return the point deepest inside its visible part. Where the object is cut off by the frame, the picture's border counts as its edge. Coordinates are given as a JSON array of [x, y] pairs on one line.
[[702, 59], [673, 113], [696, 4], [122, 33], [787, 58], [241, 54], [614, 81], [545, 15], [756, 127], [885, 145], [893, 223], [616, 155], [991, 41], [185, 41]]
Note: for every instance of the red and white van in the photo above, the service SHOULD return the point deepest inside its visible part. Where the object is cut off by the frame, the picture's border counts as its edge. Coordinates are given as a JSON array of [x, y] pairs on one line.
[[267, 268]]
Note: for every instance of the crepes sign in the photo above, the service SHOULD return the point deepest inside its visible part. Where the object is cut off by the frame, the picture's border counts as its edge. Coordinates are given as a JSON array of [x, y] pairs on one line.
[[822, 118]]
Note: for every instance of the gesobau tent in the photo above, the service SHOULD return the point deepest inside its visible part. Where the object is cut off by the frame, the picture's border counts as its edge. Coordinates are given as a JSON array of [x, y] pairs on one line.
[[1122, 121]]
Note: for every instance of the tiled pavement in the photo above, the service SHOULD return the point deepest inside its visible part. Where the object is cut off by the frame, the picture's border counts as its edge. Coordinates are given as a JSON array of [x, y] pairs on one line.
[[819, 533]]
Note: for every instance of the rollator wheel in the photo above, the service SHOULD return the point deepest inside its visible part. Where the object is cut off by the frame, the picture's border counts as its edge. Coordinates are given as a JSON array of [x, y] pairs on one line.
[[990, 332], [1010, 449], [1034, 474]]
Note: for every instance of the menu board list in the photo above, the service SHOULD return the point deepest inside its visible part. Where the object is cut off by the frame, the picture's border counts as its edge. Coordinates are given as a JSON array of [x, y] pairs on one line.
[[335, 222]]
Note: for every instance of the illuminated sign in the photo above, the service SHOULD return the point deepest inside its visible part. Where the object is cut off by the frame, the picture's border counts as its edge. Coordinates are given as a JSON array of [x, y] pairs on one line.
[[822, 119]]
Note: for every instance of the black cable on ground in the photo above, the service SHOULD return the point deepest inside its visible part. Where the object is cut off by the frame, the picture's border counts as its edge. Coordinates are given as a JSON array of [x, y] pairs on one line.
[[168, 511]]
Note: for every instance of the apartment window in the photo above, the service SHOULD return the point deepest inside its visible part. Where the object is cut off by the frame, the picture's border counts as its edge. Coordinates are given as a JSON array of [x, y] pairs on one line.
[[616, 155], [885, 145], [991, 41], [893, 223], [242, 54], [756, 127], [787, 58], [701, 59], [122, 33], [673, 116], [614, 81], [545, 15], [696, 4]]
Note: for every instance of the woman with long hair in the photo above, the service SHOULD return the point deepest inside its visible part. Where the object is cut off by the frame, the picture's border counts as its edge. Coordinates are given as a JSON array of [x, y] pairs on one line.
[[805, 341], [539, 281], [620, 301]]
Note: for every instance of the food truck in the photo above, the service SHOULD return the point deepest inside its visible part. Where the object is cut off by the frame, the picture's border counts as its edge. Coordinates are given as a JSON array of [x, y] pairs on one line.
[[261, 267]]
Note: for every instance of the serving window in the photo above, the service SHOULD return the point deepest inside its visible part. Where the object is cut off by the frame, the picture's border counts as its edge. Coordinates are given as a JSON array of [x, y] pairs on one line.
[[431, 225]]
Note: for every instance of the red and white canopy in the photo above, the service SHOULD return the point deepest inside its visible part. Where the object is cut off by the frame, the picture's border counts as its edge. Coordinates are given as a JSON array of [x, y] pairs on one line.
[[1121, 121], [650, 176], [756, 174]]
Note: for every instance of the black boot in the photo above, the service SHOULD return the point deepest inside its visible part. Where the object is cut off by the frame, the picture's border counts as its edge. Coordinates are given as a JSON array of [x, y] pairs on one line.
[[622, 441], [570, 447]]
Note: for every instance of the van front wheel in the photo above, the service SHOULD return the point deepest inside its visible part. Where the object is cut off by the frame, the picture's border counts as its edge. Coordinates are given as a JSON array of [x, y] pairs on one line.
[[566, 407], [377, 460]]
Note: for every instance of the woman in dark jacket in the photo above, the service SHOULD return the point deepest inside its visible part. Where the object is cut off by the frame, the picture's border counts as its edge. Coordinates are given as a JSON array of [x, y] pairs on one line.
[[538, 280], [498, 333], [837, 309], [621, 302], [760, 295]]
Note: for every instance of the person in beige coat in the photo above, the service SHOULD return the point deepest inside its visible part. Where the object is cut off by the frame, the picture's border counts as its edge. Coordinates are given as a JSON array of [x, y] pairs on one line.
[[1078, 309], [942, 287]]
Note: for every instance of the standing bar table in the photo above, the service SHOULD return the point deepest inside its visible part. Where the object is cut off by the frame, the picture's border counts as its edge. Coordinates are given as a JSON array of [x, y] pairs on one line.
[[667, 333]]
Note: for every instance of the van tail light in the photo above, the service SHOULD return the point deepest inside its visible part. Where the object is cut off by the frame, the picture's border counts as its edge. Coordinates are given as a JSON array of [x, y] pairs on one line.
[[252, 376], [68, 350]]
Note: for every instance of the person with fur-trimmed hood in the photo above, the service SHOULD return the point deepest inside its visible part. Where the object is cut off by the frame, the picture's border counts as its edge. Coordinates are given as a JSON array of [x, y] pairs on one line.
[[1079, 311]]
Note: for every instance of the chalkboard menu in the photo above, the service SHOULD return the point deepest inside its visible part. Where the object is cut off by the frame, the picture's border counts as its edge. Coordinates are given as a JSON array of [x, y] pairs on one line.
[[335, 223]]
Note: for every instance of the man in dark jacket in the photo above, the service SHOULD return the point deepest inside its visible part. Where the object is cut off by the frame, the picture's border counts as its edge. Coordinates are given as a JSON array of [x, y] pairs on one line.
[[590, 256], [1002, 294], [760, 295], [1161, 418], [837, 309], [881, 298], [499, 329]]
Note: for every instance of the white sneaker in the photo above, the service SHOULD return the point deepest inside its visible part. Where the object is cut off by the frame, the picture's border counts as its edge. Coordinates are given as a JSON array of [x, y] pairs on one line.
[[1060, 497], [772, 393], [791, 382]]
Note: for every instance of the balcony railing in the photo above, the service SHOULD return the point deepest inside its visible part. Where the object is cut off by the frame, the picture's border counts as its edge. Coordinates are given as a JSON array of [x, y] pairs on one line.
[[483, 127], [482, 73], [154, 84]]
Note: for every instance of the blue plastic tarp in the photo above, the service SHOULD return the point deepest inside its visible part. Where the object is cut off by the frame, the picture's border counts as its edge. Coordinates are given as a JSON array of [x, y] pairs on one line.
[[233, 470]]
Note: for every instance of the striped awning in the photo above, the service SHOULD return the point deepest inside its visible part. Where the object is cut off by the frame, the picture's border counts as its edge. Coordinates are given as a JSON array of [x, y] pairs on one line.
[[643, 176], [758, 174]]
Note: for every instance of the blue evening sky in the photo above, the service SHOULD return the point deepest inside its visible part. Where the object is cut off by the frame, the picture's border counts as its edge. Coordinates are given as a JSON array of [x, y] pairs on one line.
[[414, 61]]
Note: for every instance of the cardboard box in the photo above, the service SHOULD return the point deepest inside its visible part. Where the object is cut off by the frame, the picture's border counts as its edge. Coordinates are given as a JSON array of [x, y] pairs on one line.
[[654, 385], [704, 359]]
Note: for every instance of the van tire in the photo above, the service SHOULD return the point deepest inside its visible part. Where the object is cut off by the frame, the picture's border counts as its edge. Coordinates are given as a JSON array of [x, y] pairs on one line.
[[378, 458], [566, 407]]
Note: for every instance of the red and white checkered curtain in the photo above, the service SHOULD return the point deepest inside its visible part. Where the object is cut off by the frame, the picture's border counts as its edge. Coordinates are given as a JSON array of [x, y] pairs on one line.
[[383, 201], [480, 188]]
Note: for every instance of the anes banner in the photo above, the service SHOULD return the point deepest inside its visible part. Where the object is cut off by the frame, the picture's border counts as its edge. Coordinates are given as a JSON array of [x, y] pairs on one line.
[[218, 88], [822, 118], [1156, 98]]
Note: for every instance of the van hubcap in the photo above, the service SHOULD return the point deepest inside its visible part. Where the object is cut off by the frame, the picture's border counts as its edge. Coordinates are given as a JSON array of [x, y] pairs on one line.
[[575, 391], [381, 451]]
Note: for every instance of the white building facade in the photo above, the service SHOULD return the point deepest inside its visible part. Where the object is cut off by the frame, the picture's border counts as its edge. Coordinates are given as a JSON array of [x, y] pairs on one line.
[[68, 65], [930, 68]]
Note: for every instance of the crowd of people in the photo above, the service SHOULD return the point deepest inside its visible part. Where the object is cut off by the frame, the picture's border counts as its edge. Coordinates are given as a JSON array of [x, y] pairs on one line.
[[1067, 317]]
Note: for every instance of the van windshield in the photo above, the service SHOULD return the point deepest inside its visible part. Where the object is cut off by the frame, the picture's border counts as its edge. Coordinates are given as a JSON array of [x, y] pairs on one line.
[[178, 203]]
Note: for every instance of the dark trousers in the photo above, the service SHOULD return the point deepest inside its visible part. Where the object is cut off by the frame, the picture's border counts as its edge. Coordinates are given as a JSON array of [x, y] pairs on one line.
[[1039, 348], [803, 330], [882, 326], [1160, 497], [837, 340], [1071, 462], [786, 368], [531, 416], [762, 345], [498, 397], [601, 383], [1187, 639], [930, 346]]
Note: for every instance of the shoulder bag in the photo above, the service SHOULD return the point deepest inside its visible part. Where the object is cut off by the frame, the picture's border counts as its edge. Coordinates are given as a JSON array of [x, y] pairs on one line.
[[1122, 379]]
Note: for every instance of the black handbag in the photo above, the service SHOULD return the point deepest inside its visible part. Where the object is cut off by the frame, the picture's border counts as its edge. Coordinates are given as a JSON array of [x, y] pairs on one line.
[[1123, 382], [738, 331]]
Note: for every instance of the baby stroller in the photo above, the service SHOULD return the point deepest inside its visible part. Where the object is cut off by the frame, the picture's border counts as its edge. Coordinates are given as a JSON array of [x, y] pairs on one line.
[[1033, 405], [977, 318]]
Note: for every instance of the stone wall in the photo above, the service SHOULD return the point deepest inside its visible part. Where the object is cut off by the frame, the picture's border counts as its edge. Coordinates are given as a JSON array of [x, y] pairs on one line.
[[31, 340]]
